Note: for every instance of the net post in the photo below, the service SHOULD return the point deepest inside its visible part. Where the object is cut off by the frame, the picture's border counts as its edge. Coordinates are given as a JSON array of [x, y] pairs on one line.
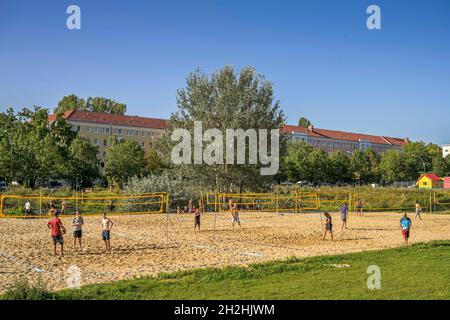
[[277, 199], [431, 205], [40, 203]]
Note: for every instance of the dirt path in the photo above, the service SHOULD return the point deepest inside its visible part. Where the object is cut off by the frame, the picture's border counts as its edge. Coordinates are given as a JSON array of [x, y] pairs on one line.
[[147, 245]]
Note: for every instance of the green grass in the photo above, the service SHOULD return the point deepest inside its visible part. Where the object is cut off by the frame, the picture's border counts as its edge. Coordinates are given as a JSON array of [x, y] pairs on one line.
[[418, 272]]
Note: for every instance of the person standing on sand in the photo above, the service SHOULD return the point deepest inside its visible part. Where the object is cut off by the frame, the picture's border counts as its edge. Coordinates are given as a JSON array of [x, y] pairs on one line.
[[405, 225], [359, 207], [51, 204], [111, 206], [56, 231], [107, 224], [418, 210], [344, 214], [197, 218], [63, 206], [234, 213], [77, 225], [28, 207], [328, 226]]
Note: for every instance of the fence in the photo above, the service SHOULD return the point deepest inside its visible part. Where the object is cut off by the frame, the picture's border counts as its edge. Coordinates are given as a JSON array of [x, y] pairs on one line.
[[90, 204]]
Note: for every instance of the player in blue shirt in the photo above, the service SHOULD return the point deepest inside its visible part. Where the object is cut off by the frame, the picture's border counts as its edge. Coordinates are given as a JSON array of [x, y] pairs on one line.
[[405, 224]]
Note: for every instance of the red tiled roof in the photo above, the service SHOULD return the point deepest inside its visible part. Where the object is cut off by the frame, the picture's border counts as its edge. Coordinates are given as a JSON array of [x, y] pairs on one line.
[[431, 176], [106, 118], [340, 135]]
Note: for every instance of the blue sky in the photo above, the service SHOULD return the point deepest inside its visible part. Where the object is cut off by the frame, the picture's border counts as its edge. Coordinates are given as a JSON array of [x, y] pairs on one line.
[[324, 62]]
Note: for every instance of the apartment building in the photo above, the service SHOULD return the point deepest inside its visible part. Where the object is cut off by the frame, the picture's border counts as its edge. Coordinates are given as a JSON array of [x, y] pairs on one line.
[[101, 129], [445, 150], [347, 142]]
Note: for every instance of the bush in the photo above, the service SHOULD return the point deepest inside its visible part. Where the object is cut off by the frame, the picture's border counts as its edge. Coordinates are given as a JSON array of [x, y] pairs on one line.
[[179, 189], [24, 290]]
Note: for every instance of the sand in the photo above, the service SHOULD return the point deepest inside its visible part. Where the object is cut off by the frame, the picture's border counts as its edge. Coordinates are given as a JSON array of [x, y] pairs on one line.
[[146, 245]]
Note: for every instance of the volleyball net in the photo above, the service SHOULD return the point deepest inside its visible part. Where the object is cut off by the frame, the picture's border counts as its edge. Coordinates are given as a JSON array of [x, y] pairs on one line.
[[298, 201], [267, 202], [28, 206]]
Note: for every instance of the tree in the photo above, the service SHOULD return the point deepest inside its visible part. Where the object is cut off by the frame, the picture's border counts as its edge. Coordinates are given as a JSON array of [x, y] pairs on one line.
[[418, 159], [105, 105], [392, 166], [318, 165], [82, 165], [70, 102], [360, 167], [38, 149], [295, 164], [374, 165], [224, 100], [441, 166], [304, 122], [154, 163], [41, 150], [338, 167], [124, 160], [96, 104]]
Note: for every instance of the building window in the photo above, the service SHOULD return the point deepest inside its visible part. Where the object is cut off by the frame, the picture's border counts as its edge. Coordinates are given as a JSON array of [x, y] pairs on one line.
[[95, 130], [95, 141], [106, 130], [143, 144], [105, 142], [88, 129]]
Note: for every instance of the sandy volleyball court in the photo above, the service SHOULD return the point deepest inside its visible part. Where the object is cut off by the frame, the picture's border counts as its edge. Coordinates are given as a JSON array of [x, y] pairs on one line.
[[148, 244]]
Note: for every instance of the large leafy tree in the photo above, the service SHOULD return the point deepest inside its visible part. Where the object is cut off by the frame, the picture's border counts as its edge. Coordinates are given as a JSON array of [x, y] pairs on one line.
[[32, 149], [124, 160], [227, 99], [97, 104]]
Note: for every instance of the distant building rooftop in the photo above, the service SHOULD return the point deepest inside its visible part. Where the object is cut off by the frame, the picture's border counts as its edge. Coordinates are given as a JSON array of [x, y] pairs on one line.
[[341, 135], [106, 118]]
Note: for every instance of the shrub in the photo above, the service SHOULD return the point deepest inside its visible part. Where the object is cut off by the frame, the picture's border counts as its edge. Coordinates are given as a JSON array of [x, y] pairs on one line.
[[180, 190], [25, 290]]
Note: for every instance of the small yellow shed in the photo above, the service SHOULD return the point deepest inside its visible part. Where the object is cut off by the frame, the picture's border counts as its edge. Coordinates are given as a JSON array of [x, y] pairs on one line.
[[429, 181]]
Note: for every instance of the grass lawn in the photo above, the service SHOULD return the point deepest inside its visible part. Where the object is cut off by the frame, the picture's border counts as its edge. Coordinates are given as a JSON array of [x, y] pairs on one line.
[[421, 271]]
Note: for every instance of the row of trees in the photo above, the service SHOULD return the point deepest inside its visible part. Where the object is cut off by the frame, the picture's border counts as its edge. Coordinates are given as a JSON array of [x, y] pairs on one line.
[[32, 150], [97, 104], [303, 162]]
